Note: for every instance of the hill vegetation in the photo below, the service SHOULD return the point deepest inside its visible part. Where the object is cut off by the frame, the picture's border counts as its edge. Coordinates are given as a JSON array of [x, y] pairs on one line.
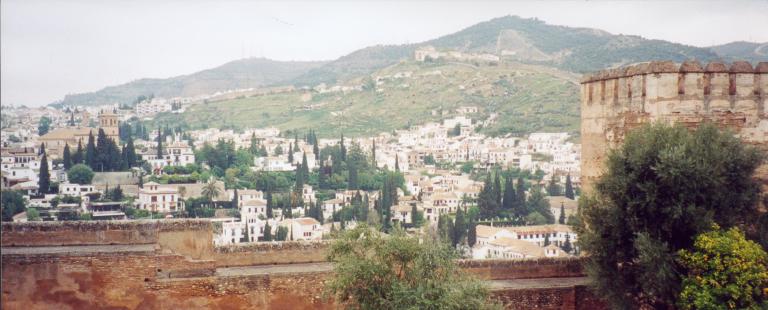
[[244, 73], [525, 97]]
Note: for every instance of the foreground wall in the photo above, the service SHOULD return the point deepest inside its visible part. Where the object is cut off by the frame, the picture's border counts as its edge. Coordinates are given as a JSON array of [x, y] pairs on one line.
[[171, 264], [614, 102]]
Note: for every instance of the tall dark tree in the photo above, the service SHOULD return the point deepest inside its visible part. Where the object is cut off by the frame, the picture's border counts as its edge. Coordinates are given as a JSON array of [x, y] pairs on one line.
[[569, 187], [343, 149], [290, 153], [235, 199], [520, 192], [44, 178], [510, 202], [561, 219], [316, 151], [352, 178], [397, 162], [103, 155], [497, 188], [267, 232], [41, 151], [486, 200], [459, 228], [553, 189], [472, 233], [159, 144], [130, 153], [77, 158], [567, 246], [67, 157], [91, 158], [268, 197], [373, 153]]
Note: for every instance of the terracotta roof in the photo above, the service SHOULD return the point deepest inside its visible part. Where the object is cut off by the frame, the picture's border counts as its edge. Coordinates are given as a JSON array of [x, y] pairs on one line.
[[519, 246], [255, 202], [307, 221]]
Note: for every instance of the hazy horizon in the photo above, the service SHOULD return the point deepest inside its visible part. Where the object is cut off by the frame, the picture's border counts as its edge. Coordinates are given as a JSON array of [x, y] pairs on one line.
[[50, 49]]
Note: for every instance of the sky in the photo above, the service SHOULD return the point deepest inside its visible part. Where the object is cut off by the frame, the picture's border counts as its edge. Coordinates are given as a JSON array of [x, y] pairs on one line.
[[51, 48]]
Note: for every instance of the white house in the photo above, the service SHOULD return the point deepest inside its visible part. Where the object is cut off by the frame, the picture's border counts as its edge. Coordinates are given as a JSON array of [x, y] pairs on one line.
[[157, 198], [304, 228]]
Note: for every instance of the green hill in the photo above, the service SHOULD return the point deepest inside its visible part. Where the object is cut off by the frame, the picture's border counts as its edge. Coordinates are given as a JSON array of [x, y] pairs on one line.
[[749, 51], [245, 73], [525, 97]]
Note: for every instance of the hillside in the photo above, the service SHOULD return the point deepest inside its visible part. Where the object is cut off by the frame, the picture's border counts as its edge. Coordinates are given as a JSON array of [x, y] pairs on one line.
[[517, 39], [526, 97], [750, 51], [245, 73]]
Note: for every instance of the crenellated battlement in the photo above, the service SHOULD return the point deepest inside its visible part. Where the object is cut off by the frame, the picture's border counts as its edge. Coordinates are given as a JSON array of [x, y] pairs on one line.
[[614, 101]]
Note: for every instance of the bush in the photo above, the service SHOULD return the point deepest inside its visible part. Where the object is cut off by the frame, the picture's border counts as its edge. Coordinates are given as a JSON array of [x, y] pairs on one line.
[[399, 272], [80, 174], [725, 271]]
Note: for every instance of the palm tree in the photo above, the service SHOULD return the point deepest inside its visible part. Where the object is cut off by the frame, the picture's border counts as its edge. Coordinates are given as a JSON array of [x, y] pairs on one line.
[[210, 190]]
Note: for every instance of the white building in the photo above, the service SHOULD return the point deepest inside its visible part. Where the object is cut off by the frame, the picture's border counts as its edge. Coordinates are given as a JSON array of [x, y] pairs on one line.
[[156, 198], [305, 228], [149, 108]]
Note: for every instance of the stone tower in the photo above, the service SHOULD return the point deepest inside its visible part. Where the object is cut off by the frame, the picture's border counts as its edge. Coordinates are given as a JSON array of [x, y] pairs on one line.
[[615, 101], [109, 122]]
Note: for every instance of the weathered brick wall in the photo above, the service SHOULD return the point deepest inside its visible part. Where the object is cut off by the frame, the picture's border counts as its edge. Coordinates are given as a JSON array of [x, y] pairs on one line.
[[615, 101], [575, 298], [524, 269], [179, 271], [288, 252]]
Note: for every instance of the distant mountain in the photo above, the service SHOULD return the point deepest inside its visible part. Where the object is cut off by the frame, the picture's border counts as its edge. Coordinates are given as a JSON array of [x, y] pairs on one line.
[[741, 50], [518, 39], [526, 40], [245, 73]]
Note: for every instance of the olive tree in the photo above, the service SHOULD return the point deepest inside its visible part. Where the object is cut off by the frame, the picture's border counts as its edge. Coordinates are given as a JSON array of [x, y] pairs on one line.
[[377, 271]]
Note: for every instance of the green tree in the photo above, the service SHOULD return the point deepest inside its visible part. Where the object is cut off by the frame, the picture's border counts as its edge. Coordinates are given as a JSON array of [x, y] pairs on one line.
[[417, 217], [90, 152], [535, 218], [33, 214], [210, 190], [553, 189], [561, 220], [77, 158], [546, 240], [509, 203], [567, 246], [44, 178], [282, 233], [472, 233], [67, 157], [725, 271], [80, 174], [399, 272], [569, 187], [267, 232], [662, 187], [44, 126], [538, 203], [459, 228], [130, 158], [13, 203], [159, 143]]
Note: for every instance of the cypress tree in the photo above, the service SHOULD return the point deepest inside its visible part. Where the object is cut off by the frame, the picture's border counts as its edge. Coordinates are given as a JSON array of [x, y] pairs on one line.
[[352, 182], [510, 199], [497, 188], [44, 178], [269, 205], [569, 187], [343, 149], [290, 153], [520, 191], [77, 158], [235, 199], [459, 228], [267, 232], [397, 162], [304, 167], [553, 189], [373, 153], [546, 239], [90, 153], [42, 149], [567, 247], [159, 144], [316, 151], [104, 155], [472, 233], [130, 153], [67, 157], [561, 220]]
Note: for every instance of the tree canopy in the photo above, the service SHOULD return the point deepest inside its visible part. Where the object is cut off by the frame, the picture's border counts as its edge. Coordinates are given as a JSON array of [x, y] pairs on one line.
[[663, 187]]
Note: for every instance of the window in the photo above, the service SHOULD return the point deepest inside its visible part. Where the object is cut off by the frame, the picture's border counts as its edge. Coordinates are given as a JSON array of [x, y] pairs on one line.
[[307, 234]]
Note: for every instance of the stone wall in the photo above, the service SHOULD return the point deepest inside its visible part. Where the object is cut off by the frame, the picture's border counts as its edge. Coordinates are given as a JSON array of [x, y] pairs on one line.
[[614, 102], [524, 269], [172, 264], [268, 253]]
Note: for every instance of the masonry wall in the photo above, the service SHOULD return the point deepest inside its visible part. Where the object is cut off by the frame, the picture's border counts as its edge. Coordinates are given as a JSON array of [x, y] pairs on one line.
[[616, 101], [177, 268]]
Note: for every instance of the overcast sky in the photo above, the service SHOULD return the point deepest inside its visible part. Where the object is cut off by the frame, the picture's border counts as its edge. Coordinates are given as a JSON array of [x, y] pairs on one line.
[[52, 48]]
